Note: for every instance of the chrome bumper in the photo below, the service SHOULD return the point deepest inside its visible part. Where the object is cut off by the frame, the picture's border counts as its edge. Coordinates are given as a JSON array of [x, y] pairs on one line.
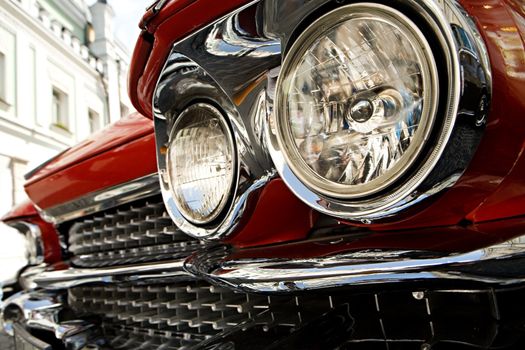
[[41, 310], [475, 318], [250, 272], [314, 265]]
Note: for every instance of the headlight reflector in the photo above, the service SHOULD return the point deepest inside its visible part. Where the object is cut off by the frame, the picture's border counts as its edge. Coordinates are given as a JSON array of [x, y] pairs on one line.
[[200, 163], [356, 101]]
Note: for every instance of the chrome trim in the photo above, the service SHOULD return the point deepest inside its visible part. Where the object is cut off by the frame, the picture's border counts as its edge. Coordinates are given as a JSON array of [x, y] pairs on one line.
[[210, 74], [71, 277], [430, 94], [157, 5], [41, 310], [35, 244], [232, 179], [367, 267], [445, 19], [24, 340], [340, 269], [237, 70], [103, 199]]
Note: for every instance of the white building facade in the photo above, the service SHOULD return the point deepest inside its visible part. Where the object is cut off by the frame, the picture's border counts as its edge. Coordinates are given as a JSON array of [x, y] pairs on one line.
[[62, 77]]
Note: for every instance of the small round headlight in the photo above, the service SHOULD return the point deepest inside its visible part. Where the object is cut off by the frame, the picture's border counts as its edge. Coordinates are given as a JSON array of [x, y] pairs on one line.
[[200, 163], [356, 101]]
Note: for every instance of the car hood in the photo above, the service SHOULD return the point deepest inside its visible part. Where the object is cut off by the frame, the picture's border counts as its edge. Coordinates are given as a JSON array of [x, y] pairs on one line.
[[125, 130], [121, 152]]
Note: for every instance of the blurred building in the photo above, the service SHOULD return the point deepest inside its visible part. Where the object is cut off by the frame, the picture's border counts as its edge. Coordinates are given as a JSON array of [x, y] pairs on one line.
[[62, 77]]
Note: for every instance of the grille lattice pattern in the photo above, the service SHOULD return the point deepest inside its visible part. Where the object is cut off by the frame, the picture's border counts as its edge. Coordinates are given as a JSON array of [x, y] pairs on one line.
[[132, 233], [191, 305], [132, 337], [179, 315]]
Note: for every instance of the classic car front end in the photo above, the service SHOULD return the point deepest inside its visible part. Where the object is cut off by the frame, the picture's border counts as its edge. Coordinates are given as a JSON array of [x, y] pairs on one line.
[[304, 174]]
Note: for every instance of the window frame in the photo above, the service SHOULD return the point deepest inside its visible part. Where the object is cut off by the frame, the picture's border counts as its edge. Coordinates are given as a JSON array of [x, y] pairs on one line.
[[60, 108], [98, 121]]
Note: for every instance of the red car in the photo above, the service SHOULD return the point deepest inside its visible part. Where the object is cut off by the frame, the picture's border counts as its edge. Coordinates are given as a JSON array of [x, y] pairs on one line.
[[302, 174]]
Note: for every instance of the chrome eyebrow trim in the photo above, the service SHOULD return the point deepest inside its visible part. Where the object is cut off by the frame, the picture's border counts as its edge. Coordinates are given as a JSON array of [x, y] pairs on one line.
[[104, 199]]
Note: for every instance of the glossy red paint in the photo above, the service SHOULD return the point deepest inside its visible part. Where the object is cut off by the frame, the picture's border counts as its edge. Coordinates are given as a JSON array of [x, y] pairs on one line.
[[151, 19], [494, 179], [52, 251], [501, 146], [20, 211], [277, 216], [167, 28], [27, 212], [138, 63], [120, 164], [121, 132], [508, 200], [452, 239]]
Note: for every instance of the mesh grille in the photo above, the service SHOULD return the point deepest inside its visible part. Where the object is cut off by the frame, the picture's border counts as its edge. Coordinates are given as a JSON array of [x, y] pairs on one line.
[[183, 306], [133, 337], [132, 233], [181, 314]]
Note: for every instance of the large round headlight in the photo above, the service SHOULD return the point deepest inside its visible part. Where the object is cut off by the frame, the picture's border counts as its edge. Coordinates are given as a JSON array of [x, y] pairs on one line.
[[356, 101], [200, 163]]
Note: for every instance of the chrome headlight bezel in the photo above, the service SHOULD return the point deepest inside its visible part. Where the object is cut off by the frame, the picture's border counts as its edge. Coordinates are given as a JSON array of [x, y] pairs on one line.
[[303, 43], [430, 174], [219, 209], [242, 83]]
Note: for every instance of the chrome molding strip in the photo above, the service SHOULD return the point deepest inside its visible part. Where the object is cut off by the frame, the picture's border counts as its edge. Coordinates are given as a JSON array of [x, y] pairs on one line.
[[33, 172], [363, 268], [103, 199], [283, 275], [71, 277]]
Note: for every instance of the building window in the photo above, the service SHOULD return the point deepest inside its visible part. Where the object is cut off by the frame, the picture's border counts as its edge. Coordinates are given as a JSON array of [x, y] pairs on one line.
[[3, 77], [18, 168], [6, 179], [32, 92], [7, 72], [12, 172], [94, 121], [59, 101]]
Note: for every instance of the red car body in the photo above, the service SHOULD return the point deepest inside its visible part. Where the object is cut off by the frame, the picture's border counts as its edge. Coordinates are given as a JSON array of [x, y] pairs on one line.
[[490, 189], [485, 207]]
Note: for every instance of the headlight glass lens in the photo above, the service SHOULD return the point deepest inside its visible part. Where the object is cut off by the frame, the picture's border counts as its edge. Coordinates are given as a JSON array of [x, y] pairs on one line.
[[201, 163], [356, 102]]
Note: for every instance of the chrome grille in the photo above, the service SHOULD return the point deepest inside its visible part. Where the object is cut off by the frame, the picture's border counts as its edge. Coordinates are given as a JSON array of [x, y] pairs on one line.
[[130, 337], [132, 233], [181, 314], [185, 314], [185, 306]]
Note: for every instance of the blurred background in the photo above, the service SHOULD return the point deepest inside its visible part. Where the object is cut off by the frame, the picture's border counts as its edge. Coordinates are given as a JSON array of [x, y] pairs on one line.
[[63, 76]]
